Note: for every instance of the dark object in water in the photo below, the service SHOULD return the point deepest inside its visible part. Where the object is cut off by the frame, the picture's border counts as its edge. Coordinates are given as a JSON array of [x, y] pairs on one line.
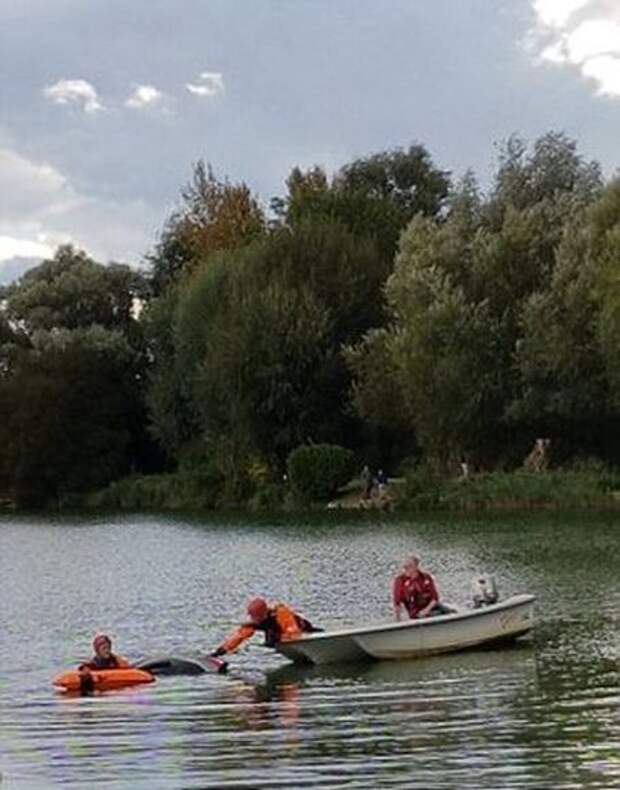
[[171, 665], [87, 685]]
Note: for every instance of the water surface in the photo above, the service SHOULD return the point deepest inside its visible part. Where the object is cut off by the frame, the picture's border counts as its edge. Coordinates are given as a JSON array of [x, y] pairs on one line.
[[543, 715]]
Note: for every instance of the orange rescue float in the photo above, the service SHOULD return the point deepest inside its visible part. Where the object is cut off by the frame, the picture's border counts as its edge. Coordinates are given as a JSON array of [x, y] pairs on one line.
[[103, 679]]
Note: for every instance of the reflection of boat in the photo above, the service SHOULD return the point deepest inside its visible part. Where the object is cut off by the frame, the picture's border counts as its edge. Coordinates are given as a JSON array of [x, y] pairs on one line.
[[460, 630], [514, 660]]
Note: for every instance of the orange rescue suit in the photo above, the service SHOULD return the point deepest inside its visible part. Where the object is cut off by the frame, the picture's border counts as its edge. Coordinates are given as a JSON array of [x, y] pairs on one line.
[[112, 662], [280, 625]]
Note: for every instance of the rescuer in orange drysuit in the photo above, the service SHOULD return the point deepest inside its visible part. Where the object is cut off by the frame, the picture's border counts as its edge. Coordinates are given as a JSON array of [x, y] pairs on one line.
[[278, 622]]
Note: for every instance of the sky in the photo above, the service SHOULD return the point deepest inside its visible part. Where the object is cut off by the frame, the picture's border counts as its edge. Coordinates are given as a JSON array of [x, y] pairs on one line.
[[106, 104]]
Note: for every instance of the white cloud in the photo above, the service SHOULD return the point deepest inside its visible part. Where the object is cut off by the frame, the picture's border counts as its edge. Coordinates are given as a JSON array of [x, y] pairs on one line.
[[40, 209], [592, 38], [78, 92], [555, 13], [605, 71], [23, 248], [144, 96], [583, 35], [30, 187], [209, 83]]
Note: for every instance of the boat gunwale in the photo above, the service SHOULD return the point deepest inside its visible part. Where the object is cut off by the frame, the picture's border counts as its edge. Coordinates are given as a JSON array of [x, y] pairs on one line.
[[510, 603]]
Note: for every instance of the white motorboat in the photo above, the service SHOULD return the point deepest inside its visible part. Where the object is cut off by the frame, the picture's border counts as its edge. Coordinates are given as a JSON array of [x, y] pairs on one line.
[[447, 633]]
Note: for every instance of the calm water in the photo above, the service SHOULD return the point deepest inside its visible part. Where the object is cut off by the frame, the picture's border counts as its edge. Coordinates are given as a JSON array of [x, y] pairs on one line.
[[544, 715]]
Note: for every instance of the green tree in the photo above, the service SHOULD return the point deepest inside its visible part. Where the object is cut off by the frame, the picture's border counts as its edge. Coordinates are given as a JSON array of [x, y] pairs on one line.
[[72, 365], [72, 291], [69, 411], [255, 341], [374, 196], [464, 291], [553, 170], [214, 215], [567, 357]]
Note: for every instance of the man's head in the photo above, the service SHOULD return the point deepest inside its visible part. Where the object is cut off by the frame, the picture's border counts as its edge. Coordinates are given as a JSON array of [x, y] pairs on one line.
[[102, 645], [258, 610], [411, 565]]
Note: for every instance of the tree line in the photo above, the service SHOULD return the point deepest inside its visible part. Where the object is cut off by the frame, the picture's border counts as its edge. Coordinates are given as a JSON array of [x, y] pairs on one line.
[[388, 308]]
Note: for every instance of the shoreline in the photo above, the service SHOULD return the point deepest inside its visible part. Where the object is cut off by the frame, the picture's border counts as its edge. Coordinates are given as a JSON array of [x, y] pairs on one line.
[[498, 492]]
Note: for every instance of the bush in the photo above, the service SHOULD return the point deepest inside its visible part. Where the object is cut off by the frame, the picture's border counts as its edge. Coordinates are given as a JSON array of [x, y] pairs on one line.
[[423, 487], [177, 491], [317, 471]]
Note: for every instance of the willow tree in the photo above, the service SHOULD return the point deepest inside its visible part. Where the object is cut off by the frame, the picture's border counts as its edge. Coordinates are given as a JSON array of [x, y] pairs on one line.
[[462, 297]]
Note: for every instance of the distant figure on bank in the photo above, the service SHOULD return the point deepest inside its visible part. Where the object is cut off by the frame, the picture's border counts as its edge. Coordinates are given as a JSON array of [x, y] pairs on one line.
[[538, 458], [367, 482], [416, 591], [464, 468], [382, 480], [104, 658], [277, 622]]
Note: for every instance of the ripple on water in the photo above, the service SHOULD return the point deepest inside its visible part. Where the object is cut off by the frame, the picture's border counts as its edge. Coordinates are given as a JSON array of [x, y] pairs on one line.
[[543, 715]]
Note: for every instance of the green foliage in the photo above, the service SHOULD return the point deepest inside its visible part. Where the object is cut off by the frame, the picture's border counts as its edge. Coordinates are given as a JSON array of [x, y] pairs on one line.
[[604, 227], [70, 410], [247, 350], [181, 491], [567, 355], [552, 171], [382, 308], [71, 291], [494, 325], [166, 398], [376, 393], [214, 215], [375, 196], [588, 484], [317, 471], [552, 489], [71, 372]]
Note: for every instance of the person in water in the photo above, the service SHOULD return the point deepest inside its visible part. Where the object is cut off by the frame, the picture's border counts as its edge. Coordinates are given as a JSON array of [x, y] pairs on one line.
[[277, 621], [104, 658], [416, 591]]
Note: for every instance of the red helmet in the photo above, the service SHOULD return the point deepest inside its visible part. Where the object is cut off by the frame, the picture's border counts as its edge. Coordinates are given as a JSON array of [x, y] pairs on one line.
[[258, 609], [99, 640]]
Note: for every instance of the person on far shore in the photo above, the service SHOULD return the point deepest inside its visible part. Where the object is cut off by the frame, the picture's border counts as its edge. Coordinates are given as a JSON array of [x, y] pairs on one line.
[[367, 482], [416, 591], [382, 481]]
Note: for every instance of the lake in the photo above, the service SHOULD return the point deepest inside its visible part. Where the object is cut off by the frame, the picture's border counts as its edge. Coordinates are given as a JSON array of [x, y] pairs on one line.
[[545, 714]]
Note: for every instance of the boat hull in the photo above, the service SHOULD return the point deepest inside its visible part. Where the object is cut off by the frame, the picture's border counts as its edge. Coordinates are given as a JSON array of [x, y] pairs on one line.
[[463, 630]]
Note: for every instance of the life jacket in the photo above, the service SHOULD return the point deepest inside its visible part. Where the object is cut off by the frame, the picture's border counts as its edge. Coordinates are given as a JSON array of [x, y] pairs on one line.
[[111, 662], [280, 625]]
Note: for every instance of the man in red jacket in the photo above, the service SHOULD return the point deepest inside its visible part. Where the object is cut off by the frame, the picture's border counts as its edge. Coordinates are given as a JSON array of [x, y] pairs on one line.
[[416, 591]]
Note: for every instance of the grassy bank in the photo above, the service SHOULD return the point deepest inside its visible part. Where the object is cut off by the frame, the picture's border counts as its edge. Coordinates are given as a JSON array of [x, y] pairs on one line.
[[420, 490], [177, 491], [564, 489]]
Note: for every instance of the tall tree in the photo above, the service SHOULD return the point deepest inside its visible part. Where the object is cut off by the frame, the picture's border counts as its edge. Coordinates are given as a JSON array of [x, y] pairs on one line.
[[256, 338], [464, 292], [72, 291], [374, 196], [71, 378], [214, 215]]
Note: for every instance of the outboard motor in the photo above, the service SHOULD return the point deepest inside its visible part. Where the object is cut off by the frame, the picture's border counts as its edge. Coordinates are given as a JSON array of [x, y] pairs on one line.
[[484, 590]]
